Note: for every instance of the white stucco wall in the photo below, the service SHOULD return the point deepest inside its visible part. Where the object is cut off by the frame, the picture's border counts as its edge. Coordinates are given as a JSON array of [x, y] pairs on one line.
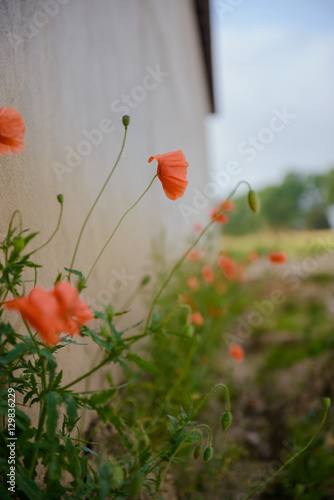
[[66, 65]]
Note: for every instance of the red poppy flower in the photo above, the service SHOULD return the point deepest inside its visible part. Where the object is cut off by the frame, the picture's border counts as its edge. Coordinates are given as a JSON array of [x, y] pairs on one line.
[[277, 257], [253, 256], [195, 255], [207, 273], [237, 352], [197, 318], [221, 219], [193, 283], [12, 130], [229, 205], [52, 312], [198, 227], [172, 170], [228, 266]]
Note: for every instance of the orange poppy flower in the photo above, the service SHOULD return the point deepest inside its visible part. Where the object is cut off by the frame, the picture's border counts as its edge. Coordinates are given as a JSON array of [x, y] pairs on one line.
[[12, 130], [253, 256], [229, 205], [207, 273], [236, 351], [172, 170], [198, 227], [228, 266], [195, 255], [193, 283], [52, 312], [197, 318], [221, 219], [277, 257]]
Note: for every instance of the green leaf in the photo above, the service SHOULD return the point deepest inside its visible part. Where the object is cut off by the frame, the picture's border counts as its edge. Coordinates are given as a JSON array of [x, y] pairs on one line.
[[73, 459], [87, 450], [145, 365], [72, 408], [102, 398], [18, 351], [52, 399]]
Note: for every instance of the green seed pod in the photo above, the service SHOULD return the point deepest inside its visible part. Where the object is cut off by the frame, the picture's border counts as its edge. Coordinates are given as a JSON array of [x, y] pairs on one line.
[[326, 402], [189, 331], [19, 244], [146, 279], [126, 120], [253, 201], [207, 455], [60, 198], [226, 420], [197, 452]]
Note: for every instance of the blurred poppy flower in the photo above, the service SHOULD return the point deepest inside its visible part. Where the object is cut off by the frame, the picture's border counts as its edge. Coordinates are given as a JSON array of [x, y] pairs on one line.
[[229, 205], [277, 257], [253, 256], [197, 318], [221, 219], [195, 255], [52, 312], [12, 130], [172, 170], [207, 273], [198, 227], [193, 283], [228, 266], [237, 352]]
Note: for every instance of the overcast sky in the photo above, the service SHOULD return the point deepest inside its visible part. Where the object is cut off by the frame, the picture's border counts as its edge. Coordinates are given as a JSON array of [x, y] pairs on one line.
[[274, 86]]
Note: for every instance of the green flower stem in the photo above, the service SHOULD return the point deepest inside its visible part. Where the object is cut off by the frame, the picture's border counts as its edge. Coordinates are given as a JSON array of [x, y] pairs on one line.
[[185, 255], [209, 432], [9, 231], [41, 420], [42, 416], [54, 232], [96, 200], [119, 223], [173, 388], [213, 390], [161, 480], [87, 374], [290, 459]]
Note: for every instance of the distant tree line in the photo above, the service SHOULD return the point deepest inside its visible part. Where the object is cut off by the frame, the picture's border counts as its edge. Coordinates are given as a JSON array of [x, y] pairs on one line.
[[300, 202]]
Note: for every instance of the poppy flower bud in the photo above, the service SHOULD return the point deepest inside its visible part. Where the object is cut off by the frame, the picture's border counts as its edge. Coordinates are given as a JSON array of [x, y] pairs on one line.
[[197, 452], [146, 279], [253, 201], [326, 402], [19, 244], [207, 455], [189, 331], [226, 420], [60, 198], [126, 120]]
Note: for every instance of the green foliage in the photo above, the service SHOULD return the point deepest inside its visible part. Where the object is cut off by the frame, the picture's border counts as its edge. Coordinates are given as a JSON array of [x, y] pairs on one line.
[[298, 203]]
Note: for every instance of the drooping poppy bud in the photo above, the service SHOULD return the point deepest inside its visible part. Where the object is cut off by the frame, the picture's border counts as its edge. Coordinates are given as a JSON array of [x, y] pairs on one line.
[[253, 201], [207, 455], [226, 420]]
